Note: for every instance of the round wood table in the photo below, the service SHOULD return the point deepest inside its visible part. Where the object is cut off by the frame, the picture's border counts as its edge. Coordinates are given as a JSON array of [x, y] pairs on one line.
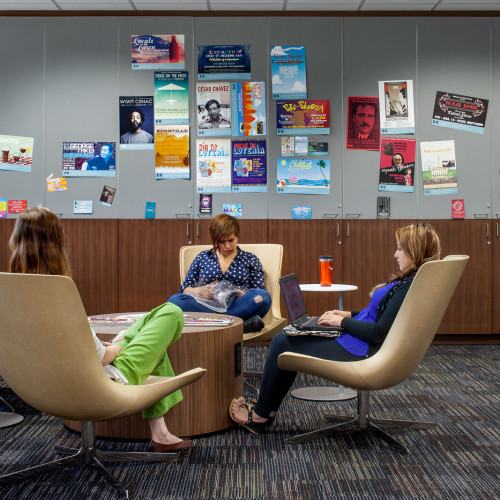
[[204, 408]]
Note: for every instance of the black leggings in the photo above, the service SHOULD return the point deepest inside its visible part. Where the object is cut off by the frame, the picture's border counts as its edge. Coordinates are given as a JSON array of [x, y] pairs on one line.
[[276, 382]]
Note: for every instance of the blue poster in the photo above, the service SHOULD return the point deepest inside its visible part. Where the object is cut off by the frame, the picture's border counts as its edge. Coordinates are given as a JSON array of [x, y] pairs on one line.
[[249, 166], [288, 70], [171, 103], [229, 62], [248, 103], [303, 176]]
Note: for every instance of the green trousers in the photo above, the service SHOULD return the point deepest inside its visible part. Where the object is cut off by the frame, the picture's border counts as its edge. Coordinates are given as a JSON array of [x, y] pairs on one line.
[[144, 352]]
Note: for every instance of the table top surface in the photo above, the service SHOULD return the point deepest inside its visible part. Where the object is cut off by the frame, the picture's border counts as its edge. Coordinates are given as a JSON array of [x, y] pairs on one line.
[[316, 287]]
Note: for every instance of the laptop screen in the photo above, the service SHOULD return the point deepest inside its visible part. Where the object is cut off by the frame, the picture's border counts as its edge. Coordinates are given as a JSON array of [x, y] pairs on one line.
[[292, 295]]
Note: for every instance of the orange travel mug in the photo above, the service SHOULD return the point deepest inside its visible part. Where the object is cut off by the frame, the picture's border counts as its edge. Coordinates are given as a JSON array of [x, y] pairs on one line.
[[325, 270]]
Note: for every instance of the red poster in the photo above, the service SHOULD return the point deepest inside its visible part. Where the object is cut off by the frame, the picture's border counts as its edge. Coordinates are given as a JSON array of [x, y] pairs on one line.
[[457, 209], [17, 206], [363, 123]]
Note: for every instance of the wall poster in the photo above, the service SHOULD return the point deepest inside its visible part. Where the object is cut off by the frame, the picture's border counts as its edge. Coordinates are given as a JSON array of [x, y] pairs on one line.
[[288, 71], [224, 61], [460, 112], [439, 170], [213, 165], [157, 51], [303, 117], [214, 108], [89, 159], [398, 113], [136, 123], [171, 94], [397, 165], [248, 102], [303, 176], [363, 126], [172, 152], [17, 153], [249, 165]]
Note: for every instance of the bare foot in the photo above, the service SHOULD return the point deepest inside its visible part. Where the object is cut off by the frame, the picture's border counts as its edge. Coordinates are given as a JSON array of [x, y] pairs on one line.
[[240, 411], [167, 439]]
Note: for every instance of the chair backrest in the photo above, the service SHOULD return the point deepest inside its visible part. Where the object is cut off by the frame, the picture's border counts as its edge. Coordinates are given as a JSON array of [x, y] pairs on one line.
[[408, 339], [47, 353], [271, 257]]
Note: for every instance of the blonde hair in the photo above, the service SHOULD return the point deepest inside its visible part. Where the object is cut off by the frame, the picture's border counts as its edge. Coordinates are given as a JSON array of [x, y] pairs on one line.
[[421, 243], [37, 244]]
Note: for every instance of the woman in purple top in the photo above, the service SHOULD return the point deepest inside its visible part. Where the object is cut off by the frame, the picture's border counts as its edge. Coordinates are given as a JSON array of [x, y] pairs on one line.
[[365, 330]]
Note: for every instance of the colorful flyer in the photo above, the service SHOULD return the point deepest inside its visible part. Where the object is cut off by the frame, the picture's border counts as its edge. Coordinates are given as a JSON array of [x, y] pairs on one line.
[[17, 153], [3, 208], [303, 117], [171, 104], [55, 184], [236, 210], [157, 51], [107, 196], [89, 159], [288, 71], [82, 207], [172, 152], [205, 203], [224, 61], [248, 102], [213, 165], [136, 123], [17, 206], [303, 176], [460, 112], [398, 116], [302, 212], [457, 209], [397, 165], [249, 165], [287, 146], [363, 126], [439, 171], [150, 211], [214, 108], [318, 149]]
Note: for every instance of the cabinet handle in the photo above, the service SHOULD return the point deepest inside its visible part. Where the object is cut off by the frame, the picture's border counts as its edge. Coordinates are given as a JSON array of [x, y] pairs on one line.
[[187, 229], [497, 229], [487, 230], [338, 230], [197, 230], [347, 232]]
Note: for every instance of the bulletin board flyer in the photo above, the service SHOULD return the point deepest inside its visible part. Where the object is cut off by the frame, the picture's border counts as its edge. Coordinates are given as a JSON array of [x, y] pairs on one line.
[[303, 176], [157, 51], [171, 97], [300, 117], [17, 153], [136, 122], [398, 114], [439, 170], [288, 71], [397, 165], [213, 165], [248, 103], [172, 152], [249, 166], [213, 101], [216, 62]]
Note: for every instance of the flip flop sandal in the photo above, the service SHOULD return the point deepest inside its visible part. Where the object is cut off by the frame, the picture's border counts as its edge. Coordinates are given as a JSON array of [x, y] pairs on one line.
[[250, 425]]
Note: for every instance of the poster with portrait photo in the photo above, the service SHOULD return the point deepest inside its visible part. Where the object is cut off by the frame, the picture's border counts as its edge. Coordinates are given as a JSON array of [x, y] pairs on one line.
[[157, 51], [107, 196], [89, 159], [136, 123], [363, 126], [213, 101], [398, 113], [397, 165], [224, 61]]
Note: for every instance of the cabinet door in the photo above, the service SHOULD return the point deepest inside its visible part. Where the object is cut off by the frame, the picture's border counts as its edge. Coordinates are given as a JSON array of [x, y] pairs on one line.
[[368, 248], [303, 242], [495, 238], [6, 228], [470, 310], [149, 261]]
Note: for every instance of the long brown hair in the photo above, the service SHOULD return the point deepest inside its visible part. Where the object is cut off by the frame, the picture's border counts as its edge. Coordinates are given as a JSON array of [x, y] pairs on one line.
[[222, 226], [37, 244], [421, 243]]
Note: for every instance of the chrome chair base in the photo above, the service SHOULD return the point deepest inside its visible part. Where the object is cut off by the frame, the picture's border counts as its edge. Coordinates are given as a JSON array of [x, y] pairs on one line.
[[362, 422], [89, 455]]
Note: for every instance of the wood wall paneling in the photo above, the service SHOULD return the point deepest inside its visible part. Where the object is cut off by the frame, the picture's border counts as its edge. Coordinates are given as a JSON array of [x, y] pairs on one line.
[[6, 228], [495, 239]]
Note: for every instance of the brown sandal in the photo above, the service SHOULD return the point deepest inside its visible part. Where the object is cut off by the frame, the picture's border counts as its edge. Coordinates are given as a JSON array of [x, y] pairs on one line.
[[250, 425]]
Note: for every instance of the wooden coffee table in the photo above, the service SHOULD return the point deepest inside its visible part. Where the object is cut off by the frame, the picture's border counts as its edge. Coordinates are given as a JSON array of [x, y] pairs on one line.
[[204, 408]]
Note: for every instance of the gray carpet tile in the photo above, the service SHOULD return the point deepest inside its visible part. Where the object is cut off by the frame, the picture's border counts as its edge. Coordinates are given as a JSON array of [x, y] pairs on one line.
[[455, 386]]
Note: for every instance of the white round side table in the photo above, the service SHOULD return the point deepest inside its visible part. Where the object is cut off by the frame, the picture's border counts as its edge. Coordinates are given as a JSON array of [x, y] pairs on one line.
[[339, 393]]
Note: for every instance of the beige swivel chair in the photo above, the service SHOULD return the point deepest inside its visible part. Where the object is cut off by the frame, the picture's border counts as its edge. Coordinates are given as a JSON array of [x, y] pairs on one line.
[[403, 349], [271, 257], [49, 359]]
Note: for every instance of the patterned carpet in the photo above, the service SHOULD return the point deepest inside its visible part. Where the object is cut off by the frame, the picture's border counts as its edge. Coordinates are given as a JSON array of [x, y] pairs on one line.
[[455, 386]]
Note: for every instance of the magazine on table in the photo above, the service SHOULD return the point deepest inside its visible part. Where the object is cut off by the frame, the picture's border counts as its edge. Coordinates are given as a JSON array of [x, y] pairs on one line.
[[223, 294]]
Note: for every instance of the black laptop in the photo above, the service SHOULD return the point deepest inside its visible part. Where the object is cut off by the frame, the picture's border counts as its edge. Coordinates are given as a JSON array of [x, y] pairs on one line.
[[296, 308]]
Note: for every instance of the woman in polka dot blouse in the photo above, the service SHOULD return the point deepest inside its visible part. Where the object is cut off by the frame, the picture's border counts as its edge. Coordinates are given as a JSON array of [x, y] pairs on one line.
[[226, 261]]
